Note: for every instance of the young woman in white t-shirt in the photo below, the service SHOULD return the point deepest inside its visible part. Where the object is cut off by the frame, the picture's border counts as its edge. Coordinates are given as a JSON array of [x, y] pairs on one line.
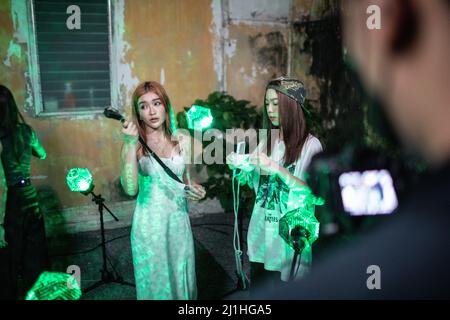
[[278, 178]]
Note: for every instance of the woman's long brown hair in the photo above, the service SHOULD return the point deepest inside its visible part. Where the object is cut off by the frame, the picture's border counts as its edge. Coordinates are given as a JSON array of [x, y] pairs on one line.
[[292, 126], [156, 88]]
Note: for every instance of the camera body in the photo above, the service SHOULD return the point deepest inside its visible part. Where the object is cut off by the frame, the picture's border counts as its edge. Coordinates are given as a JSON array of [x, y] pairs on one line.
[[357, 181]]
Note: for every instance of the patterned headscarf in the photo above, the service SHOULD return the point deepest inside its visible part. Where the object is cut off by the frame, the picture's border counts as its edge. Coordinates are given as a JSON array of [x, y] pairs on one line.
[[293, 88]]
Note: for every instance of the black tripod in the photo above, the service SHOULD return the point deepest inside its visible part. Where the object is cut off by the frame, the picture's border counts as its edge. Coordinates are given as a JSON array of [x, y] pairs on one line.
[[107, 276]]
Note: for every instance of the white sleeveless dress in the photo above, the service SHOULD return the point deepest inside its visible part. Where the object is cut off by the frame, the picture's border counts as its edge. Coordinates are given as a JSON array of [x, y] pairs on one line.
[[161, 237]]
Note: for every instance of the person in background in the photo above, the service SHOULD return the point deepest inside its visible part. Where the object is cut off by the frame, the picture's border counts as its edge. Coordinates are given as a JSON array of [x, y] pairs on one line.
[[22, 230], [406, 65], [278, 178]]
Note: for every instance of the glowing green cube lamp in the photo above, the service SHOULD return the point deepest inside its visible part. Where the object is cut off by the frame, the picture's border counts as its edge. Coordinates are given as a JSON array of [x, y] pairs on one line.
[[54, 286], [299, 227], [80, 180], [199, 118]]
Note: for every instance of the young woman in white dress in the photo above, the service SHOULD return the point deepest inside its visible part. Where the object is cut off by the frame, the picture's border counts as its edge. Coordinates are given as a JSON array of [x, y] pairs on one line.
[[161, 236]]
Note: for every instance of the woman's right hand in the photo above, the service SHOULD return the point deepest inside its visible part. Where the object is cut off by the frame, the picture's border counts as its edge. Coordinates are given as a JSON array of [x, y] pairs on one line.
[[242, 177], [234, 162], [130, 132], [231, 161]]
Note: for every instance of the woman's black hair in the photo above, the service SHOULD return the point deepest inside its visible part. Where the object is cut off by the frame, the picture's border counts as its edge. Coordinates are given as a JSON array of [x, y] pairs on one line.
[[10, 117]]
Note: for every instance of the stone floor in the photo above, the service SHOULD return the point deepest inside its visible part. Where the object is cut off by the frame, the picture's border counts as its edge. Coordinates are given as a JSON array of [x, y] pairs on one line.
[[215, 263]]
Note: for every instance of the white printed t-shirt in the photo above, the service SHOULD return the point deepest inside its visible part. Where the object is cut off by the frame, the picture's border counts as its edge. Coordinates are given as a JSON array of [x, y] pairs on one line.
[[265, 245]]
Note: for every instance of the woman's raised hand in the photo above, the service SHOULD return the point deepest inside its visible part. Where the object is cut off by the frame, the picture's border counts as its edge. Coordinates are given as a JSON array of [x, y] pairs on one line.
[[261, 160], [130, 132], [231, 161], [238, 161]]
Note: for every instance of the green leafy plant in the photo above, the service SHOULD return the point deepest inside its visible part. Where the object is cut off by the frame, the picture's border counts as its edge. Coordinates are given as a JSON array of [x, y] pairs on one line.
[[228, 113]]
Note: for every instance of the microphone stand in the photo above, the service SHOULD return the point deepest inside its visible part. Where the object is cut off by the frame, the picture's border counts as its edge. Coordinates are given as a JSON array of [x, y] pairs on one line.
[[107, 276]]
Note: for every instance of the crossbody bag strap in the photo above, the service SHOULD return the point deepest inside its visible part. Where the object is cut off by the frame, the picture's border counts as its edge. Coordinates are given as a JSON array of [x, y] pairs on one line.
[[163, 165]]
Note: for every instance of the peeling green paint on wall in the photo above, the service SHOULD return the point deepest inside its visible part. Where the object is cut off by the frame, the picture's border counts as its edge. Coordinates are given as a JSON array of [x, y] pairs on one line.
[[14, 50]]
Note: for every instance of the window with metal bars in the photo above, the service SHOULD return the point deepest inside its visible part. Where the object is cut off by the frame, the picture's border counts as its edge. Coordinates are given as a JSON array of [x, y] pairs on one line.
[[73, 64]]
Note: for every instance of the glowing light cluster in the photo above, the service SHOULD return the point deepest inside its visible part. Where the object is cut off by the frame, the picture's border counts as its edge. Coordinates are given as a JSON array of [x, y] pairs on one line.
[[299, 227], [79, 180], [54, 286], [199, 118]]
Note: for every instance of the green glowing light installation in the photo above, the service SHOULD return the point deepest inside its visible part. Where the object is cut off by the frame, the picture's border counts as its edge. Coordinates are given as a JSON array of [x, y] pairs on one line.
[[54, 286], [199, 118], [80, 180], [301, 221]]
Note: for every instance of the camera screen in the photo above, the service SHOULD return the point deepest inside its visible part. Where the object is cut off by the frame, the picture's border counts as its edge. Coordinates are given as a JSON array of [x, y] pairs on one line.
[[368, 193]]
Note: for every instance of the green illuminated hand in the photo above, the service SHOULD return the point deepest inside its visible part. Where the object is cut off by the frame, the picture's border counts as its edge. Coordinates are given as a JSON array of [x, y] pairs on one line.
[[195, 192], [239, 161], [266, 164], [231, 161], [38, 149]]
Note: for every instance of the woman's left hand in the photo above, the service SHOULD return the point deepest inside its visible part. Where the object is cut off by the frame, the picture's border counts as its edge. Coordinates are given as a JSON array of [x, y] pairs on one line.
[[195, 192], [266, 164]]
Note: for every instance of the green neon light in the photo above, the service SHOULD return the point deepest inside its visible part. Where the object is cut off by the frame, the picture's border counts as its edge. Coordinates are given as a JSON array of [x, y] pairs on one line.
[[301, 222], [79, 180], [205, 122], [199, 118], [54, 286]]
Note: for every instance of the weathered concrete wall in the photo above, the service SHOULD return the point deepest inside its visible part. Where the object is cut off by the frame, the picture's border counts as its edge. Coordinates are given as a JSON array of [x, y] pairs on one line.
[[193, 47], [260, 54], [300, 60], [256, 46], [170, 41], [167, 41]]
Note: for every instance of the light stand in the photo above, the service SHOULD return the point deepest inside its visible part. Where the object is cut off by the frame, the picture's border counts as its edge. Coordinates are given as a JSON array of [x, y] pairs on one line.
[[80, 180], [107, 276], [298, 244]]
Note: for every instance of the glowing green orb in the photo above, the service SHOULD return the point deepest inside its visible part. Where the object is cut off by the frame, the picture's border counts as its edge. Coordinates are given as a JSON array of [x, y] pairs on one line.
[[199, 118], [301, 222], [79, 180]]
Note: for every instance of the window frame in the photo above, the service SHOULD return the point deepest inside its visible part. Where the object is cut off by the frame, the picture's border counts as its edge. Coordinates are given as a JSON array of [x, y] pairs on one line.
[[35, 75]]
